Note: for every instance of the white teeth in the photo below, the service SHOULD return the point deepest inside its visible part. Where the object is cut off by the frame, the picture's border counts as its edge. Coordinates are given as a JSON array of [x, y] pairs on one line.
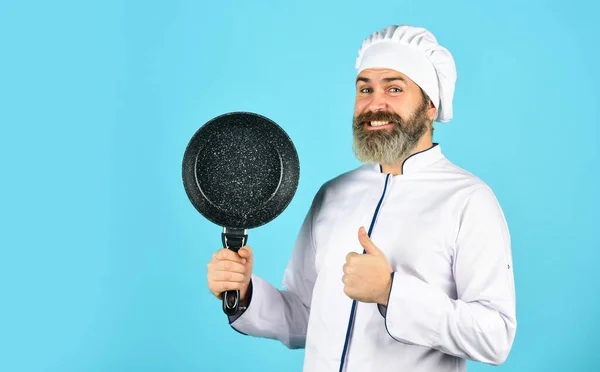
[[379, 123]]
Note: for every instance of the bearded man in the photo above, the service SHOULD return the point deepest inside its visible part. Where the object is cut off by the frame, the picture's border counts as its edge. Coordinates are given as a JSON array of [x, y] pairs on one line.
[[402, 264]]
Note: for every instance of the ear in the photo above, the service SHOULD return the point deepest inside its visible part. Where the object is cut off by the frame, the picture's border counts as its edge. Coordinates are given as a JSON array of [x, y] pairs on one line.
[[431, 110]]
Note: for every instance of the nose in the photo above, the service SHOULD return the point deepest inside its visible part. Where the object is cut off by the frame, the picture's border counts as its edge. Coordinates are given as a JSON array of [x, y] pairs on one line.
[[378, 102]]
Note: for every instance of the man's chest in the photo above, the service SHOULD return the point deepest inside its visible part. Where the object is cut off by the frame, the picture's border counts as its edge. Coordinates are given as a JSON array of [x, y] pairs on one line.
[[415, 229]]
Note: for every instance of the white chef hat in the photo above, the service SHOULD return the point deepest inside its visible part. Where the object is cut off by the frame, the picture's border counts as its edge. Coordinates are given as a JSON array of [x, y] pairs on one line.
[[415, 52]]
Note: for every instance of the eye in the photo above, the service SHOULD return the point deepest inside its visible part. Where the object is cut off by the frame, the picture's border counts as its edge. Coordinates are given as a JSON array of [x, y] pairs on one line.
[[365, 90], [396, 90]]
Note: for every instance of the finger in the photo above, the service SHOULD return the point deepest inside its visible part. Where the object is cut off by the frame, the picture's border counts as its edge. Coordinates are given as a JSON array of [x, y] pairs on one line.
[[246, 254], [348, 291], [217, 294], [215, 257], [367, 243], [228, 286], [226, 276], [228, 254], [348, 269], [212, 264], [229, 266], [350, 256], [224, 285]]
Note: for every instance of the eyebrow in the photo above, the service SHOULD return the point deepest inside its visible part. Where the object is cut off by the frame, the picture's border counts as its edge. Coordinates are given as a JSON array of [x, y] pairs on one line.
[[386, 80]]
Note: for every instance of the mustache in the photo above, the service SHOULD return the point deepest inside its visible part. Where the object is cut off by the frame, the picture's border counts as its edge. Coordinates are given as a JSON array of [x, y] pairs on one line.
[[378, 116]]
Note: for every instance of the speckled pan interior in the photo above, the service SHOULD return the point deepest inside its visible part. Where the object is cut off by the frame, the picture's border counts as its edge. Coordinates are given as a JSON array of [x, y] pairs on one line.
[[240, 170]]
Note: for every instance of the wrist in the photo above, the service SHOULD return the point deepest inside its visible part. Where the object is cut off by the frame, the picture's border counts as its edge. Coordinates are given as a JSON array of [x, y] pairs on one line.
[[385, 294], [246, 295]]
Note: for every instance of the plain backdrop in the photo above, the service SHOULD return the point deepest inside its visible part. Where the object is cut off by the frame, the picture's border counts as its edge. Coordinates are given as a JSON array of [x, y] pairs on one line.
[[102, 256]]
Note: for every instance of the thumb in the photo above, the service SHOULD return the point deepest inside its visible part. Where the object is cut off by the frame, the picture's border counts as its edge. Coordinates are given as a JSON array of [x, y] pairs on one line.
[[367, 243], [246, 252]]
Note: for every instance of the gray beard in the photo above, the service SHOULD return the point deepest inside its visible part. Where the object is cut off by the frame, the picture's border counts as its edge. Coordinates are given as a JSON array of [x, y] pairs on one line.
[[388, 146]]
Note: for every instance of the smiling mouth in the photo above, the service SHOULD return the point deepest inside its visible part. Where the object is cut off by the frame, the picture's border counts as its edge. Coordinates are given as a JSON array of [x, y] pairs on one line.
[[378, 124]]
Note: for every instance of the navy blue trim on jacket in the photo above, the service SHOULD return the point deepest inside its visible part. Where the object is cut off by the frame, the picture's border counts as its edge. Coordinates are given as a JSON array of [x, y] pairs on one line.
[[351, 320], [385, 316], [410, 156]]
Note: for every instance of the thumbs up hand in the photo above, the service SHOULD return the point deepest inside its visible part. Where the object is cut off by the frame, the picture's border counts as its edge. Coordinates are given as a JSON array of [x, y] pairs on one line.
[[367, 277]]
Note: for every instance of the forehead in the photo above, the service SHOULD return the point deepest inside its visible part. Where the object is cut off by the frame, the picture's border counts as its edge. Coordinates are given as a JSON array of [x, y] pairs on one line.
[[377, 75]]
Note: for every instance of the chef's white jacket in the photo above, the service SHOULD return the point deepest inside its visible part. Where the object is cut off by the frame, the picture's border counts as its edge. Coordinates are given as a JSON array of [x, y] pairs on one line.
[[452, 296]]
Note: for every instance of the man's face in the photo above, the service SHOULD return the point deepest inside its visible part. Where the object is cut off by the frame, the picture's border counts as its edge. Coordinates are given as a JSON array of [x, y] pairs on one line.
[[390, 116]]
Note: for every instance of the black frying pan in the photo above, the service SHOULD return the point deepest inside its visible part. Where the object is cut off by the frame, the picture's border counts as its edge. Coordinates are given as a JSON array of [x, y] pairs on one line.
[[240, 171]]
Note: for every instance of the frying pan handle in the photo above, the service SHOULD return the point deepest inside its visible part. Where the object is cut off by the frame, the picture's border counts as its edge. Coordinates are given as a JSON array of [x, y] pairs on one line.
[[233, 239]]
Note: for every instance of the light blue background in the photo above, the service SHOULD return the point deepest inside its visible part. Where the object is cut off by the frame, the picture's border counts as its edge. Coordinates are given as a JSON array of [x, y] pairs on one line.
[[102, 256]]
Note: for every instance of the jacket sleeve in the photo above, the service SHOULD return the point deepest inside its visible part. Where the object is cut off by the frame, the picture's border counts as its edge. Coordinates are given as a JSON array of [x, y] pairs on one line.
[[480, 324], [282, 314]]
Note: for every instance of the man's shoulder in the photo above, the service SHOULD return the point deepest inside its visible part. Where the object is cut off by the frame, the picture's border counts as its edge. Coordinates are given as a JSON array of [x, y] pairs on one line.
[[458, 173], [355, 176], [462, 182], [347, 182]]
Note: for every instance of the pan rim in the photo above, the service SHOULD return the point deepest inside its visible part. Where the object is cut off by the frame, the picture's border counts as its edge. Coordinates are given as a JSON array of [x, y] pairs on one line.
[[289, 176]]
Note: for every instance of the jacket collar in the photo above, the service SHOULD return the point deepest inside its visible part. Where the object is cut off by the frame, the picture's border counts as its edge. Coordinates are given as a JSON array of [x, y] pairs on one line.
[[419, 160]]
